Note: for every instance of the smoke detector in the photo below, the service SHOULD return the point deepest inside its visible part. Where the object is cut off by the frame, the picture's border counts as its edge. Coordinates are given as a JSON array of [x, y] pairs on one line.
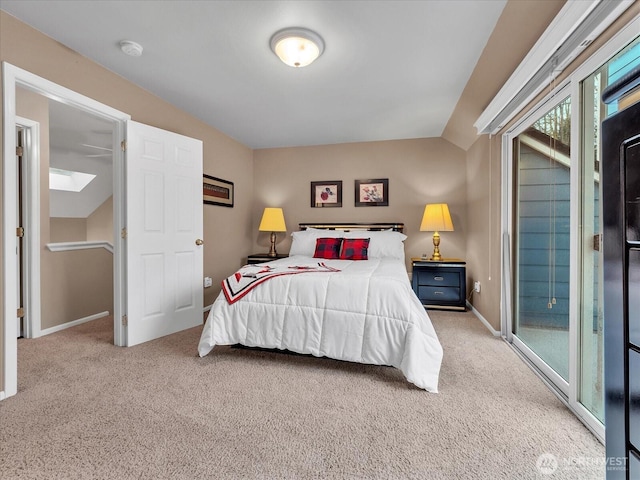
[[130, 48]]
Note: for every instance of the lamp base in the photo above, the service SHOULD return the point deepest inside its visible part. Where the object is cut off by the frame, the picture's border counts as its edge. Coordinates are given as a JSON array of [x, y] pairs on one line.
[[272, 250], [436, 257]]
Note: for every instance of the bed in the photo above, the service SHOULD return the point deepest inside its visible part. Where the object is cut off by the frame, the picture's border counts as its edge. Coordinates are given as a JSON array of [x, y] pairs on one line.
[[345, 308]]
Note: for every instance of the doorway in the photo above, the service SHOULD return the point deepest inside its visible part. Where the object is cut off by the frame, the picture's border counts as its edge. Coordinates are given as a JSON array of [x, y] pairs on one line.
[[76, 224], [159, 193], [65, 215], [14, 78]]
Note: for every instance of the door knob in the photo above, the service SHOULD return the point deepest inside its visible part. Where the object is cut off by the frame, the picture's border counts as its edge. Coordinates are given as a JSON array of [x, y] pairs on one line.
[[199, 241]]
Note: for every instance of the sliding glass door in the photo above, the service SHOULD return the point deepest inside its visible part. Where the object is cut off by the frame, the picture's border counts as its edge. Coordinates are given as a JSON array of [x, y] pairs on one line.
[[555, 234], [543, 170], [591, 340]]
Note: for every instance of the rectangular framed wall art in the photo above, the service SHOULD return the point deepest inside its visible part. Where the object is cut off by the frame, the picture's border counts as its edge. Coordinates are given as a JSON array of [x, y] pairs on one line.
[[216, 191], [326, 194], [372, 193]]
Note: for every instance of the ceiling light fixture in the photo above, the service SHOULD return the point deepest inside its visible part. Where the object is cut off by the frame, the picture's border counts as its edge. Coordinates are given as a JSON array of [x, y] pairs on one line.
[[297, 47], [132, 49]]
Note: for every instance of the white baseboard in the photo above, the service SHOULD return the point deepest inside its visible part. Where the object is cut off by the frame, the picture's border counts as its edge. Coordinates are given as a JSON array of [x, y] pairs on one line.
[[2, 395], [495, 333], [207, 308], [73, 323]]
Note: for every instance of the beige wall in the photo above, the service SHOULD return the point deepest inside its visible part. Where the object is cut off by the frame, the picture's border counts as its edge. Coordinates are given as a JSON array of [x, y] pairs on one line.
[[67, 229], [227, 231], [100, 222], [419, 171], [75, 284], [483, 233]]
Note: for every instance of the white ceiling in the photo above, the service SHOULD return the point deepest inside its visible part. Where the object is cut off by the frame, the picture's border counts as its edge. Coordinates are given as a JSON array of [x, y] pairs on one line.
[[71, 131], [390, 69]]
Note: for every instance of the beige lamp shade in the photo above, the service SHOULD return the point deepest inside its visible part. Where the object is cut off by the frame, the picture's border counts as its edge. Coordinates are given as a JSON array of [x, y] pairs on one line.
[[436, 218], [272, 221]]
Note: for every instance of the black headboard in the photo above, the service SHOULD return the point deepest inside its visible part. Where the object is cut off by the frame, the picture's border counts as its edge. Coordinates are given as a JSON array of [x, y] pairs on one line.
[[396, 227]]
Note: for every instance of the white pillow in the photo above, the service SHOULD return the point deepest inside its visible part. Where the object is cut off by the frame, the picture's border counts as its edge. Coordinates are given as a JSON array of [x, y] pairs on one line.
[[304, 241], [382, 244]]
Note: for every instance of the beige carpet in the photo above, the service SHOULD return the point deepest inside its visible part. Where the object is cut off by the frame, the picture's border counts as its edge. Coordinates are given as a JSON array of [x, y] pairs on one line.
[[86, 409]]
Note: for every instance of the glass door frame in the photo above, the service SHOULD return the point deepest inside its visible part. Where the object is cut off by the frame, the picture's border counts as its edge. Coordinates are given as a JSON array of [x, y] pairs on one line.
[[567, 391], [560, 386]]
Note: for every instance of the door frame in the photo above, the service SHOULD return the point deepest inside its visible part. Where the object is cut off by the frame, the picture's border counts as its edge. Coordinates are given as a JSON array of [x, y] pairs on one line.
[[549, 102], [16, 77], [31, 220]]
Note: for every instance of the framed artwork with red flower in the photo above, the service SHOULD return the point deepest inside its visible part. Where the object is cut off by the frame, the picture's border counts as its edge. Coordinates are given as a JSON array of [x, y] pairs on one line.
[[372, 193], [326, 194]]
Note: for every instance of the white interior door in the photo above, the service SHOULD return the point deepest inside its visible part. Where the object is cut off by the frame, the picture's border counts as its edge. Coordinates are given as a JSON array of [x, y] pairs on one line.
[[164, 228]]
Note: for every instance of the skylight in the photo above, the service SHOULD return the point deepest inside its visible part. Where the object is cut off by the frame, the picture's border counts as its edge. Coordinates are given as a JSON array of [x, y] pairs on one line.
[[68, 181]]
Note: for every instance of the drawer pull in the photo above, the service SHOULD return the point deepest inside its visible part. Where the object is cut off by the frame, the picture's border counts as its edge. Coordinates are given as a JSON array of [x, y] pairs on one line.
[[439, 279], [438, 293]]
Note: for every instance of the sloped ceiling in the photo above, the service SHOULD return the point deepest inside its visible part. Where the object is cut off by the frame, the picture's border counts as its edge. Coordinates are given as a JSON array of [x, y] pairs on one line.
[[80, 142]]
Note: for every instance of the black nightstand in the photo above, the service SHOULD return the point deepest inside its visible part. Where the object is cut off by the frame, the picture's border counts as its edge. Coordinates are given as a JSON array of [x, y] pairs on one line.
[[440, 284], [264, 257]]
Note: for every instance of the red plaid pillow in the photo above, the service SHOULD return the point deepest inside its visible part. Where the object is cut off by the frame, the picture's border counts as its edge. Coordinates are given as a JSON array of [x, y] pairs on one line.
[[354, 249], [327, 248]]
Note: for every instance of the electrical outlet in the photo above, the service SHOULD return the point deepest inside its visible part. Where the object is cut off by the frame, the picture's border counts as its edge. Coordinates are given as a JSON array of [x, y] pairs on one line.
[[208, 281], [476, 287]]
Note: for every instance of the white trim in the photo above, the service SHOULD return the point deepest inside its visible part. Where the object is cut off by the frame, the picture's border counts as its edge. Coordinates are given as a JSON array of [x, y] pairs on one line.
[[73, 323], [506, 311], [69, 246], [2, 395], [575, 247], [9, 224], [493, 331], [549, 56], [12, 77], [207, 308], [31, 208], [616, 43], [119, 223]]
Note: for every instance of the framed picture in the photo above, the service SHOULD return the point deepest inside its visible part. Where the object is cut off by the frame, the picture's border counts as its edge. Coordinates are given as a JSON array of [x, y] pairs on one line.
[[216, 191], [326, 194], [372, 193]]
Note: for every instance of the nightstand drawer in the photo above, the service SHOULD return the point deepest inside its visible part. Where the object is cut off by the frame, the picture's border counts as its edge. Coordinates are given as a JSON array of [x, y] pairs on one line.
[[440, 284], [430, 294], [439, 278]]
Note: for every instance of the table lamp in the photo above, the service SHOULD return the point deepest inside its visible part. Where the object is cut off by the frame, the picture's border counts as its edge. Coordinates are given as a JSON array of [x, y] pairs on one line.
[[272, 221], [436, 219]]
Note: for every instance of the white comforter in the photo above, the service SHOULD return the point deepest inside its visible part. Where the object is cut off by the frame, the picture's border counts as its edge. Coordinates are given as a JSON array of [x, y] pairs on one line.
[[366, 313]]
